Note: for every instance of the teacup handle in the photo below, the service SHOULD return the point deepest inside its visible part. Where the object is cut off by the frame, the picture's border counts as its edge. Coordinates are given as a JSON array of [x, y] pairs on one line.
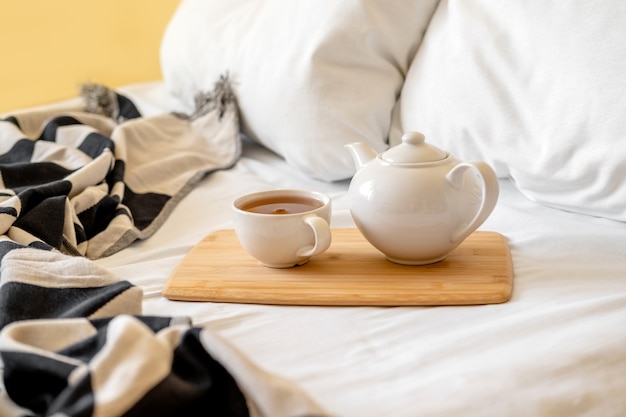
[[489, 196], [321, 230]]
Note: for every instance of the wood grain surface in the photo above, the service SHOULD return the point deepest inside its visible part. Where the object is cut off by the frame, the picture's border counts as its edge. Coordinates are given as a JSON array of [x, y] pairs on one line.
[[350, 273]]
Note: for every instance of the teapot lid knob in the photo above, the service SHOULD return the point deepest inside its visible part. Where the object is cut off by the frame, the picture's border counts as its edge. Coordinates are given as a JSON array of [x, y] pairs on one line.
[[413, 138], [413, 149]]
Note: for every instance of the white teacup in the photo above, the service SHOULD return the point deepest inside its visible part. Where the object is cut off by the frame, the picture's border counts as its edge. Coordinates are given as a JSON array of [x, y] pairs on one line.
[[283, 228]]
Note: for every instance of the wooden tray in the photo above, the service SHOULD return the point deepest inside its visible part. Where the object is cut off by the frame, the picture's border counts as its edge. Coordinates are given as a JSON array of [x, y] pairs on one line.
[[350, 273]]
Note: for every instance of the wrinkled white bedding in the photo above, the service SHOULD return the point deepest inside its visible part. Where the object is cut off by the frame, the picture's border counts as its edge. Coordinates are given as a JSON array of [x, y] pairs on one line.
[[557, 348]]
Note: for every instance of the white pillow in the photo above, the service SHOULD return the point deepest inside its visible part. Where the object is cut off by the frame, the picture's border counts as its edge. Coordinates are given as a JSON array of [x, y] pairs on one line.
[[536, 88], [309, 75]]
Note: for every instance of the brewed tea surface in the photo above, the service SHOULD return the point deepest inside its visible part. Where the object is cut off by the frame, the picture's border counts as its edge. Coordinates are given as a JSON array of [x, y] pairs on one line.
[[291, 205]]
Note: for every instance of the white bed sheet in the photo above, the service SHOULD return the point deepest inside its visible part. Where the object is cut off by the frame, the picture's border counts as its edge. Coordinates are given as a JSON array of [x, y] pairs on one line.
[[557, 348]]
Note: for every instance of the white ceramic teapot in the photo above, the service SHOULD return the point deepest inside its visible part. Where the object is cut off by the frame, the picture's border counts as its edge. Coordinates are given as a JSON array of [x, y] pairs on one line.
[[416, 203]]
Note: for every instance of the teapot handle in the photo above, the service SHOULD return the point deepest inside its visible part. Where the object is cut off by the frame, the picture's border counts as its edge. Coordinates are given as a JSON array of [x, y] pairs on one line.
[[490, 192]]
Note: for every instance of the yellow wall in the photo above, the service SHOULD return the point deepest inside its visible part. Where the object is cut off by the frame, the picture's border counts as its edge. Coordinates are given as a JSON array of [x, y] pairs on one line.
[[49, 47]]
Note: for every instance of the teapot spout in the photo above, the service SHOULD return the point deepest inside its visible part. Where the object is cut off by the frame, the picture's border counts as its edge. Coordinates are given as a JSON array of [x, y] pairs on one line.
[[361, 153]]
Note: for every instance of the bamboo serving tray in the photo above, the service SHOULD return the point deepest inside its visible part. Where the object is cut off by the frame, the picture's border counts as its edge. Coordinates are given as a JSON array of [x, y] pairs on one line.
[[350, 273]]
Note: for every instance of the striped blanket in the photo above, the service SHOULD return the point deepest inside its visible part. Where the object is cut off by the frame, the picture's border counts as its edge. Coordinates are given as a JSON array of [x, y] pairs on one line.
[[83, 181]]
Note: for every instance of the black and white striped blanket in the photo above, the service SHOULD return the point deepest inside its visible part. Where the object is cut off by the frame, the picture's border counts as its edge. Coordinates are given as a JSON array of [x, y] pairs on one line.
[[82, 182]]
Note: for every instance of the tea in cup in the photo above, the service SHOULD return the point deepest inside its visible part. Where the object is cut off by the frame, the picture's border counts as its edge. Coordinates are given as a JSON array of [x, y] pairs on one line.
[[283, 228]]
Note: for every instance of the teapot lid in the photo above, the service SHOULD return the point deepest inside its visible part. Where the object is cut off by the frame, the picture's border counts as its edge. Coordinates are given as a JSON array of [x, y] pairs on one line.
[[413, 149]]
